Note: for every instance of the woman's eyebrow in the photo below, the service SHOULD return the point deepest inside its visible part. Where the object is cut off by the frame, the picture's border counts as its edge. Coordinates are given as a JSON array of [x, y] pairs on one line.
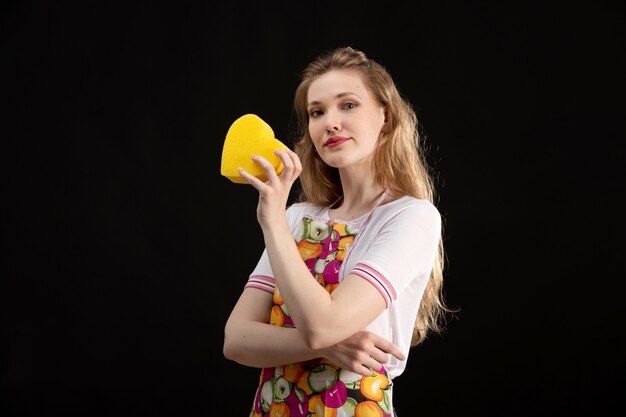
[[340, 95]]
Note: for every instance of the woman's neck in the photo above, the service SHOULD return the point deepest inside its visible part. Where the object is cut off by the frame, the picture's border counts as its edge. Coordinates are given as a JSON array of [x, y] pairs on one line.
[[356, 202]]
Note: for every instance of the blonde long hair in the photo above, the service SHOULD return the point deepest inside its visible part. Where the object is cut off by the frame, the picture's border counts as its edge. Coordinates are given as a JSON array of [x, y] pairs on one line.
[[398, 163]]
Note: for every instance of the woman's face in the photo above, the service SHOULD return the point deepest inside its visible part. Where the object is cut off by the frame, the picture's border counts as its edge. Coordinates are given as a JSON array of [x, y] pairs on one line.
[[345, 120]]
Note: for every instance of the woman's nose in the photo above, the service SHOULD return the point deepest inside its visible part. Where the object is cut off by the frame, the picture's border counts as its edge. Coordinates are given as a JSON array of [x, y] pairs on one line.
[[332, 124]]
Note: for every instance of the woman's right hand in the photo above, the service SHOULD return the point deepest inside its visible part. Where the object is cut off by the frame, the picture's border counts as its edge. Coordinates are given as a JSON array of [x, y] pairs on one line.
[[274, 193], [362, 353]]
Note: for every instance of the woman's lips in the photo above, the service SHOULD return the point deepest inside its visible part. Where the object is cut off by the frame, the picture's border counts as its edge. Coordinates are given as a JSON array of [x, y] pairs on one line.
[[334, 141]]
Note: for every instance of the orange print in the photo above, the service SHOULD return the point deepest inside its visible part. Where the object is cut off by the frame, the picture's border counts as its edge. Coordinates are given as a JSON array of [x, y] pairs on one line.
[[331, 287], [277, 318], [340, 228], [372, 386], [278, 298], [343, 246], [303, 382], [292, 372], [279, 410], [368, 409], [309, 250], [318, 409]]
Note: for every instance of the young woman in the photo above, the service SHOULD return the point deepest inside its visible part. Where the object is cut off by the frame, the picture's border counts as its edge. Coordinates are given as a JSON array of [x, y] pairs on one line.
[[351, 275]]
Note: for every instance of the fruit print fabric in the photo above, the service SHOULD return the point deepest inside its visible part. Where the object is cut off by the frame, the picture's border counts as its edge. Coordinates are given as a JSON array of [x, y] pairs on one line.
[[319, 388]]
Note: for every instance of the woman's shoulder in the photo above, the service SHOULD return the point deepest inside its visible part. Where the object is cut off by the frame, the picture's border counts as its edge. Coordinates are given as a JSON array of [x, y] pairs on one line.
[[412, 206], [410, 201]]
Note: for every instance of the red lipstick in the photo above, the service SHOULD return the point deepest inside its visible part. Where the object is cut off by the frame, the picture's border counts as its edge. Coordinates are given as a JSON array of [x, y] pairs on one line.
[[335, 141]]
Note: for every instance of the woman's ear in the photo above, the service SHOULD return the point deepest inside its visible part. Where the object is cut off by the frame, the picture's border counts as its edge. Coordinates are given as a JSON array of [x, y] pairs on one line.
[[386, 124]]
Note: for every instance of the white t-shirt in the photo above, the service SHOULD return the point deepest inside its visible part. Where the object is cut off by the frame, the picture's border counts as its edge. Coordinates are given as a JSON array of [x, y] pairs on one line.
[[394, 250]]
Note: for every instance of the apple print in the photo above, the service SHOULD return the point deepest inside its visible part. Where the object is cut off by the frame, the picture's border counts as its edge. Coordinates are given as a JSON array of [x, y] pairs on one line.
[[267, 394], [282, 389], [322, 377], [335, 396], [331, 272], [317, 231], [347, 409]]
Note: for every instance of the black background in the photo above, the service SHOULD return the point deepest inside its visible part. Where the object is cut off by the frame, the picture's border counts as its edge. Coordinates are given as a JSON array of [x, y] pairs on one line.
[[123, 249]]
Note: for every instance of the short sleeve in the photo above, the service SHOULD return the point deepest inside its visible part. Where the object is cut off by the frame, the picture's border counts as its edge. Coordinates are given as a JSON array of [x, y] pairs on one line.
[[401, 245], [262, 276]]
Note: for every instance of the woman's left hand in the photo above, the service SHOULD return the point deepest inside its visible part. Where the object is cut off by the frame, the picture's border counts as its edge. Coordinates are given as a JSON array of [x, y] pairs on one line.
[[274, 193], [362, 353]]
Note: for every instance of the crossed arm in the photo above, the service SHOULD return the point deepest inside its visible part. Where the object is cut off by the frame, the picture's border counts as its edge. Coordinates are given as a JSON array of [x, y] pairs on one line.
[[250, 340]]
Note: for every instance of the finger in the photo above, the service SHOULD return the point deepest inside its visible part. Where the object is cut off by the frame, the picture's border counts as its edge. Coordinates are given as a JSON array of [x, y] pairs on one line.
[[270, 172], [291, 162], [288, 165], [297, 165], [364, 370], [252, 180], [374, 365], [380, 356], [388, 347]]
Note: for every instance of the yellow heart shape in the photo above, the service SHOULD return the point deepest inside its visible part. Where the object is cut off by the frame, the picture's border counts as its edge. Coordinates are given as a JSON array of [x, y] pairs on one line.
[[249, 135]]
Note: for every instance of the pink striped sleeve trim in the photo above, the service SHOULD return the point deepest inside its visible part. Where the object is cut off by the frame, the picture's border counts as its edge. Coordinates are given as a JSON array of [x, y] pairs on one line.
[[261, 282], [377, 280]]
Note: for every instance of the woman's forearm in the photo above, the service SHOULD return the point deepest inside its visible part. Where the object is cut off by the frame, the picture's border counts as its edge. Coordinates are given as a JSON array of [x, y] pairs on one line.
[[310, 305], [264, 345]]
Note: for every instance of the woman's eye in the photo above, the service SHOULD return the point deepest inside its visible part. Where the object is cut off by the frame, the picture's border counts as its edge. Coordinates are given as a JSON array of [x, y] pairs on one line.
[[315, 113], [349, 106]]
